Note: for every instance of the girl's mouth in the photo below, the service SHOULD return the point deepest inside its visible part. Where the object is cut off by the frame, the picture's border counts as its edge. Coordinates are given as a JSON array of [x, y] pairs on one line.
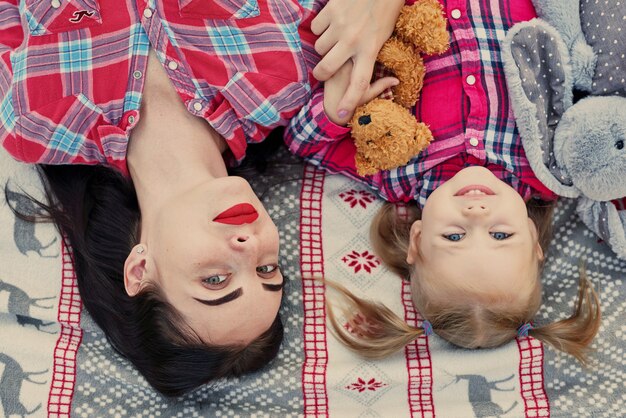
[[475, 190], [239, 214]]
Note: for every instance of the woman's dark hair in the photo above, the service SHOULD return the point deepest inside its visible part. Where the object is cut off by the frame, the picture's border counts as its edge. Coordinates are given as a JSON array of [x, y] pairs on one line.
[[96, 211]]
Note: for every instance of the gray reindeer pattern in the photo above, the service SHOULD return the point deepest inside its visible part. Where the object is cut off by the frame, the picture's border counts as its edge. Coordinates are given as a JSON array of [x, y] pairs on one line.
[[24, 231], [11, 381], [20, 304], [479, 394]]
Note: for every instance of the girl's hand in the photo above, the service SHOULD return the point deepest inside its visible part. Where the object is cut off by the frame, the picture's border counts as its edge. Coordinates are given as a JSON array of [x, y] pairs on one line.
[[352, 30], [335, 88]]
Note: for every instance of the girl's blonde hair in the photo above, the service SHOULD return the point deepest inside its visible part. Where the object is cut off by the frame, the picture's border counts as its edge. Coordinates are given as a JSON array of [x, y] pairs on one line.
[[374, 331]]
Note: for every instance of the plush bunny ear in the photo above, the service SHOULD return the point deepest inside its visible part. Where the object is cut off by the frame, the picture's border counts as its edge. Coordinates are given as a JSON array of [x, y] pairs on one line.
[[539, 78], [606, 220]]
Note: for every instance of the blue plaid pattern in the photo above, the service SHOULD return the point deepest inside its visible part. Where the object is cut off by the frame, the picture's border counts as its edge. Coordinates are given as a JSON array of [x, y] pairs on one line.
[[265, 114], [249, 9], [75, 55], [7, 117], [66, 141], [228, 40]]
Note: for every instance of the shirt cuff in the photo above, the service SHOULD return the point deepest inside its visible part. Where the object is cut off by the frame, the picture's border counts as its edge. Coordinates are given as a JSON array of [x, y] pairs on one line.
[[328, 128]]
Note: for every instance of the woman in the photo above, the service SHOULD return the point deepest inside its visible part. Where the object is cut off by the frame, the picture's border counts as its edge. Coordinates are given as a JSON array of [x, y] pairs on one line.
[[176, 261]]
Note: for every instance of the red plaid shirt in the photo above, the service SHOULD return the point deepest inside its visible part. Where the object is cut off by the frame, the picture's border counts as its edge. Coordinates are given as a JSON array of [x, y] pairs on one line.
[[464, 101], [72, 72]]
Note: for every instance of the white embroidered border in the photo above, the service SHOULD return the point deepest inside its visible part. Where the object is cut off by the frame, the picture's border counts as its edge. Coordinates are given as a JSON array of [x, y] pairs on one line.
[[532, 388], [64, 372], [313, 294]]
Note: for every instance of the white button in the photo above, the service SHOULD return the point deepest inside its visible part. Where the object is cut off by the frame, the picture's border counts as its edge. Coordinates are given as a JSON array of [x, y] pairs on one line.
[[55, 3], [172, 65], [131, 119], [147, 13], [456, 13], [473, 142], [471, 80], [137, 74], [197, 106]]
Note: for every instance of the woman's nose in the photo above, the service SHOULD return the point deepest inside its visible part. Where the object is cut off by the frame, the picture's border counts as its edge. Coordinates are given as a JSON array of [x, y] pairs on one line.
[[243, 241]]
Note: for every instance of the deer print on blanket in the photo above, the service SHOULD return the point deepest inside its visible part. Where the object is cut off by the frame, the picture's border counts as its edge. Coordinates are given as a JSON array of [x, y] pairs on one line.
[[479, 394], [23, 230], [11, 381], [20, 304]]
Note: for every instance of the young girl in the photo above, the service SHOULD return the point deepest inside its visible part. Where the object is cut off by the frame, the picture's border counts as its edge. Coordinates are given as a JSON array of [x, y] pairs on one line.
[[474, 247]]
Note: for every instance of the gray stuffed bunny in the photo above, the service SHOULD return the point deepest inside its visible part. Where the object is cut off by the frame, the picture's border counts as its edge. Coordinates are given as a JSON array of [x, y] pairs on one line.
[[576, 150]]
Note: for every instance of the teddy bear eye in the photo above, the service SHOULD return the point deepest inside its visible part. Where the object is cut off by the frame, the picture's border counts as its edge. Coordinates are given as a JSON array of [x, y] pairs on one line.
[[365, 120], [619, 144]]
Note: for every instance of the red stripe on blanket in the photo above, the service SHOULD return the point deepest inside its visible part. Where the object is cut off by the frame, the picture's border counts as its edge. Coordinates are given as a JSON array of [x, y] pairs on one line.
[[532, 388], [70, 337], [313, 293], [418, 363]]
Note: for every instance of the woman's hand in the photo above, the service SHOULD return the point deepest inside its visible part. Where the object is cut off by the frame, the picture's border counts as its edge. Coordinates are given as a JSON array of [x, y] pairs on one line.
[[335, 87], [352, 30]]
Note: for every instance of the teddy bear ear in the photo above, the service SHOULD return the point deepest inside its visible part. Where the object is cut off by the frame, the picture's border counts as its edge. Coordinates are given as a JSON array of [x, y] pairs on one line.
[[539, 79], [608, 220]]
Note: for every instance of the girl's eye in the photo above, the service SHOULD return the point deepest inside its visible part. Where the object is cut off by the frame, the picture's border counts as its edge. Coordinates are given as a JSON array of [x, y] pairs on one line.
[[500, 235], [267, 269], [216, 280], [454, 237]]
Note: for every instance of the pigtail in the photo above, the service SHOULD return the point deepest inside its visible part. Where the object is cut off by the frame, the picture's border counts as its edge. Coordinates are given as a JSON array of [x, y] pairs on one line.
[[574, 334], [373, 330], [390, 233]]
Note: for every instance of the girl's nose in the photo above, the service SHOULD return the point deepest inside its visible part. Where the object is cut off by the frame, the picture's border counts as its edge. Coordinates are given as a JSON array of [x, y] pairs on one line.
[[475, 209]]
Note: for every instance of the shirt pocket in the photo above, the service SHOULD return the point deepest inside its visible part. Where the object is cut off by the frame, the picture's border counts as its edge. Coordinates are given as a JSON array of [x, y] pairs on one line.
[[219, 9], [44, 17], [263, 99]]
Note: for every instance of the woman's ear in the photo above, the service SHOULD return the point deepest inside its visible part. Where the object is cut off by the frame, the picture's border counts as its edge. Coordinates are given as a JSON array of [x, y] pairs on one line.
[[535, 235], [414, 237], [135, 270]]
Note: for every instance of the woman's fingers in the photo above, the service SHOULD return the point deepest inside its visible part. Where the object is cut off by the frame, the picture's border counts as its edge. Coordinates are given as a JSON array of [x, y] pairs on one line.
[[325, 43], [321, 22], [332, 61]]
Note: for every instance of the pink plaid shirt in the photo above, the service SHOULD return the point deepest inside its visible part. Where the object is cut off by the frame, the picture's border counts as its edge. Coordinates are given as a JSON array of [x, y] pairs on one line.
[[72, 72], [464, 101]]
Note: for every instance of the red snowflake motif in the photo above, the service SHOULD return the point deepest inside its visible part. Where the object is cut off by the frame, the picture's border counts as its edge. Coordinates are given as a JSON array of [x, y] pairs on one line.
[[364, 260], [363, 327], [357, 197], [361, 385]]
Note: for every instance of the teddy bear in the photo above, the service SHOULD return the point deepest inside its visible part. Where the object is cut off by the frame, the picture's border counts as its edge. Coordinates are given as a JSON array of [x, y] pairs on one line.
[[575, 147], [385, 133]]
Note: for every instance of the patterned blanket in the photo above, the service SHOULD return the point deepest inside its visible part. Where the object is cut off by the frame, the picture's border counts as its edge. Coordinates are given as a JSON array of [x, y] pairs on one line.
[[54, 361]]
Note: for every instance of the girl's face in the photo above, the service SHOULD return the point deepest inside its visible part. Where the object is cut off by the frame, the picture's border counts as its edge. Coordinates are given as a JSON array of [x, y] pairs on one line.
[[215, 256], [475, 233]]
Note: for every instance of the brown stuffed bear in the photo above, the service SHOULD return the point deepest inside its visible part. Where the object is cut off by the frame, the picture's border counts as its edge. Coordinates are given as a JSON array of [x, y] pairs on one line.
[[385, 132]]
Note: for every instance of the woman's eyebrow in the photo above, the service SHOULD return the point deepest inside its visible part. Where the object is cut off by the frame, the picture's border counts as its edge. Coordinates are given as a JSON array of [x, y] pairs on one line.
[[274, 287], [224, 299]]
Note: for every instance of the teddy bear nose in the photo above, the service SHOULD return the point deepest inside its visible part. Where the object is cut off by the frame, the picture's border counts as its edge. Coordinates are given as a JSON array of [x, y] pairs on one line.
[[365, 120]]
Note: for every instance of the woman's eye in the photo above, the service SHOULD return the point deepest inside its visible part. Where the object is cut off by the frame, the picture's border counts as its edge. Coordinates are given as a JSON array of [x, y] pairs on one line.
[[216, 280], [267, 269], [454, 237], [500, 235]]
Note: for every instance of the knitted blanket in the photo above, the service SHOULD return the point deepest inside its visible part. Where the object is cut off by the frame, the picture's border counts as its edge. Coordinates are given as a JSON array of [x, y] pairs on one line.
[[55, 361]]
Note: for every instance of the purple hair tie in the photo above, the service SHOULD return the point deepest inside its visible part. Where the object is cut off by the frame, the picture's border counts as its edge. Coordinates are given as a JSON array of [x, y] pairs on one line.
[[428, 328], [522, 331]]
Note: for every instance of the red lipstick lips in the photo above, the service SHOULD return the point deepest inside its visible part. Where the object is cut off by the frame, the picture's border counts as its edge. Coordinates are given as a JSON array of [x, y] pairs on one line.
[[239, 214]]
